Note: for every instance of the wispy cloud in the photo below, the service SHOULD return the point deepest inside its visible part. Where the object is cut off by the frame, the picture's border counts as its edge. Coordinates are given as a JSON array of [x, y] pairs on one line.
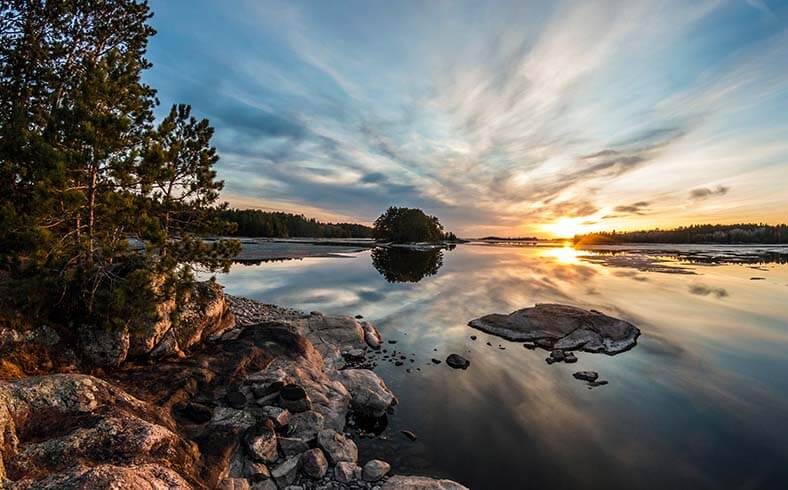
[[496, 119]]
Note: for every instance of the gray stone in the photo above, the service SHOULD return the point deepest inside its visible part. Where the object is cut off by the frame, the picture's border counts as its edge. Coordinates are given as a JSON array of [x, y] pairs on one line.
[[374, 470], [337, 447], [286, 473], [305, 425], [292, 446], [346, 472], [314, 464], [279, 416], [567, 327], [104, 348], [369, 394], [256, 471], [262, 446], [371, 335], [266, 484]]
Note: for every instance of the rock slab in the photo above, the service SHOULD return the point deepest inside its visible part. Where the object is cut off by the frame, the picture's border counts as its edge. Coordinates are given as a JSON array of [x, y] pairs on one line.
[[562, 327]]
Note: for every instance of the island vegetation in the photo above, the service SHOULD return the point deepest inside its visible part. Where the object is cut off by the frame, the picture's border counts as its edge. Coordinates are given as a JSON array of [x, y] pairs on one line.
[[409, 225], [258, 223], [723, 234]]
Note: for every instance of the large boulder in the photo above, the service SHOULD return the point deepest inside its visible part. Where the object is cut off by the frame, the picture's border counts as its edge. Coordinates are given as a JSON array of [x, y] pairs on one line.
[[76, 431], [109, 476], [562, 327], [369, 394]]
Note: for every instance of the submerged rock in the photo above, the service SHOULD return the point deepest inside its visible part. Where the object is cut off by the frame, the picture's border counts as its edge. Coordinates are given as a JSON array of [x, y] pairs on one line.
[[457, 361], [562, 327], [400, 482], [590, 376]]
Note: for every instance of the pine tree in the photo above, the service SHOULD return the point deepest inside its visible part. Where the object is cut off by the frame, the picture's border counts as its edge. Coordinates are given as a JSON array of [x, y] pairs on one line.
[[81, 165]]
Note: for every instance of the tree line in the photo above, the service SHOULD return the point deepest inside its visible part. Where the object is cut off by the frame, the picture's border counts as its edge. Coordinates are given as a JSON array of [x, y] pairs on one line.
[[257, 223], [727, 234]]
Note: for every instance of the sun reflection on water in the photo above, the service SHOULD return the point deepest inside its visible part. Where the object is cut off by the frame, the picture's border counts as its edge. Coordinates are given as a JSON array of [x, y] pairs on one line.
[[566, 254]]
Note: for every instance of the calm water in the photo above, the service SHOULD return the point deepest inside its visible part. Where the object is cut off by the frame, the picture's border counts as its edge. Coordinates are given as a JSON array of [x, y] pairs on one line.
[[700, 402]]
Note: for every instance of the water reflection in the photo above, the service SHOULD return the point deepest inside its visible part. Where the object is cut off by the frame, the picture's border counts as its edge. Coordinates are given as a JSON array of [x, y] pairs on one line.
[[699, 396], [399, 264]]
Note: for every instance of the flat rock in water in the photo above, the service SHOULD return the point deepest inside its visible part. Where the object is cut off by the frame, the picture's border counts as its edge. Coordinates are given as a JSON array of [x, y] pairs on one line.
[[562, 327]]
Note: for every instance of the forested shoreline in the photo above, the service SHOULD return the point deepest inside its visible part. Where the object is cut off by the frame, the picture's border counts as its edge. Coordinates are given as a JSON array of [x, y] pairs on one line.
[[725, 234], [257, 223]]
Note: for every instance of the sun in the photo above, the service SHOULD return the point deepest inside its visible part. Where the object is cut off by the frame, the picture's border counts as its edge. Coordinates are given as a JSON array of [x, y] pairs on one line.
[[567, 227]]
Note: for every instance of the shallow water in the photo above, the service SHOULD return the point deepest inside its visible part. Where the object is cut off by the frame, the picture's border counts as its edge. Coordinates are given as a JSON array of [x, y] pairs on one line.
[[700, 402]]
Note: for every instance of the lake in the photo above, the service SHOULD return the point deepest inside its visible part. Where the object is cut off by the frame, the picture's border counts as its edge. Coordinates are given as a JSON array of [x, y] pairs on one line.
[[700, 402]]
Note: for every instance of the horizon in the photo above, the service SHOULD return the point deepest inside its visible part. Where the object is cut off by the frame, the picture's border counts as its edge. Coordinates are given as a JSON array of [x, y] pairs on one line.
[[513, 120]]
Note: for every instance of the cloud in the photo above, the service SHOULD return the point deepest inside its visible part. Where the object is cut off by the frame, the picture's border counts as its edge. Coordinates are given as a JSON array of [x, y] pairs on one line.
[[638, 208], [496, 120], [704, 192]]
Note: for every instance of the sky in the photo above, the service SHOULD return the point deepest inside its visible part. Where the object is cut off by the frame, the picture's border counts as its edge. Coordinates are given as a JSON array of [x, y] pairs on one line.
[[542, 118]]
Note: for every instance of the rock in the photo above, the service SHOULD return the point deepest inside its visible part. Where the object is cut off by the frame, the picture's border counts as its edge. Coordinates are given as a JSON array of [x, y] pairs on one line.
[[197, 412], [294, 398], [230, 417], [337, 447], [255, 471], [346, 472], [233, 484], [305, 425], [314, 464], [371, 335], [104, 348], [63, 430], [399, 482], [266, 484], [570, 358], [456, 361], [110, 476], [292, 446], [409, 434], [279, 416], [566, 327], [436, 361], [473, 337], [235, 399], [374, 470], [285, 474], [369, 394], [263, 390], [557, 355], [262, 446], [586, 375]]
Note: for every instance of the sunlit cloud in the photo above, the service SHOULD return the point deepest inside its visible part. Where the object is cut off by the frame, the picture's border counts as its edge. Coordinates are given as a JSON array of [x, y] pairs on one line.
[[508, 119]]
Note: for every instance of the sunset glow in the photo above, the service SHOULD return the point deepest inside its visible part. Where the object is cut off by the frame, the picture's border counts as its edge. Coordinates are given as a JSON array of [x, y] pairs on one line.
[[504, 118]]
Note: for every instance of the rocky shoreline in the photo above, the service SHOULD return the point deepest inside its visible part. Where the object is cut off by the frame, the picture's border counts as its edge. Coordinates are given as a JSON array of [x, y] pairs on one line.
[[240, 395]]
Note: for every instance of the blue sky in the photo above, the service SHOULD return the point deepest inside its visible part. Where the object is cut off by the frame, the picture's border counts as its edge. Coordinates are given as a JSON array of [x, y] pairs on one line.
[[499, 117]]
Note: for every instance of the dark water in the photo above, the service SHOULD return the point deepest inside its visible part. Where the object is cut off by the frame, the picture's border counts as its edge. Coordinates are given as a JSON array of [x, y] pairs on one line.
[[700, 402]]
